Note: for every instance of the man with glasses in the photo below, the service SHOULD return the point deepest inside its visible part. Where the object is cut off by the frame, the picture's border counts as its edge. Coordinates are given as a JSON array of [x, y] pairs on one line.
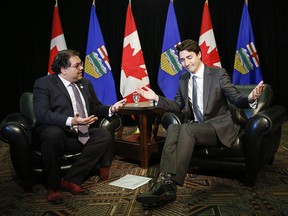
[[63, 103]]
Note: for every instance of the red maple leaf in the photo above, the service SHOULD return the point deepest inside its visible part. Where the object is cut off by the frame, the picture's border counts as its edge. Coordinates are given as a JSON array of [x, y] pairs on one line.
[[211, 58], [133, 65]]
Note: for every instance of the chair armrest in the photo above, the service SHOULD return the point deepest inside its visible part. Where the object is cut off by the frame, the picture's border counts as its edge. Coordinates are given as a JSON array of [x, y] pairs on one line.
[[112, 124], [266, 121], [15, 127], [262, 136], [15, 131], [171, 118]]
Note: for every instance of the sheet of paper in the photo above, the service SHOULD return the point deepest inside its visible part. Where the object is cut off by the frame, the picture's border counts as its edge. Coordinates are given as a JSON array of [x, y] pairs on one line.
[[130, 181]]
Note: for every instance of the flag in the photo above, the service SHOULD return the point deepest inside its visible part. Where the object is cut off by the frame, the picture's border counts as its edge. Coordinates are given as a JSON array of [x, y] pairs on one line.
[[97, 67], [133, 68], [57, 39], [246, 64], [207, 40], [170, 68]]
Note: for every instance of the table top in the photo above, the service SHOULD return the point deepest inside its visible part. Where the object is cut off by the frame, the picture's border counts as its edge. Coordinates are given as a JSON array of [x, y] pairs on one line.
[[139, 106]]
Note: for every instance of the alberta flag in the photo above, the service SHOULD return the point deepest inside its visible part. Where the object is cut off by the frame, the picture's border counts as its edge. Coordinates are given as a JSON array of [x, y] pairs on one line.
[[170, 68], [207, 40], [97, 67], [57, 38], [246, 64], [133, 68]]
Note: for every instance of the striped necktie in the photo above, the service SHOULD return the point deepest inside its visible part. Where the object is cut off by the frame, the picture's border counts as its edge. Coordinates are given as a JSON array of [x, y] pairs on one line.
[[196, 110], [83, 133]]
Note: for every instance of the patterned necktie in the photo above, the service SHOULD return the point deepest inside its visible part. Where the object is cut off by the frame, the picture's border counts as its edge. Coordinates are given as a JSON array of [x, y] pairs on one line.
[[83, 133], [196, 110]]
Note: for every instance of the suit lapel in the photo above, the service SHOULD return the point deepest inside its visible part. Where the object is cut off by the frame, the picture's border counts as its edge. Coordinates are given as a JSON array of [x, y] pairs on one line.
[[206, 87], [59, 84]]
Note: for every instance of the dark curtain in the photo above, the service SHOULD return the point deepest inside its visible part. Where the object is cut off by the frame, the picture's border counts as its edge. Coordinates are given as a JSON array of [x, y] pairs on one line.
[[26, 29]]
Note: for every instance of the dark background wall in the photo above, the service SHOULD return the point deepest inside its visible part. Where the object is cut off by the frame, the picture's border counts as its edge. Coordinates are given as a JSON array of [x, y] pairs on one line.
[[26, 29]]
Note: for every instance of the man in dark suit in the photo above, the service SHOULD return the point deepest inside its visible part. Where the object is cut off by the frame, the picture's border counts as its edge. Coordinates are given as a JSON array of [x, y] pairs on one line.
[[207, 120], [58, 122]]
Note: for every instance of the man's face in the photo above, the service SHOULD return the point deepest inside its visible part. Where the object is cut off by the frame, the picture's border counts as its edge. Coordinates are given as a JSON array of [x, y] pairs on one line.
[[73, 73], [190, 60]]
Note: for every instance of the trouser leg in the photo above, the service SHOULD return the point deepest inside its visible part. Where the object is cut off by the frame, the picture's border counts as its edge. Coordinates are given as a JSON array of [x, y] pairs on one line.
[[97, 150], [179, 147]]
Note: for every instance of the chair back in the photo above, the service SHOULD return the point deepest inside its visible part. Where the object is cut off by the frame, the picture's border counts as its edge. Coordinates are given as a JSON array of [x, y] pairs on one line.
[[26, 107], [241, 116]]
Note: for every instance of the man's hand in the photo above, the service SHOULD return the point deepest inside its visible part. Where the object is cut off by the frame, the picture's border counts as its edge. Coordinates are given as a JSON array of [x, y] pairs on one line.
[[148, 93], [77, 120], [256, 92], [118, 105]]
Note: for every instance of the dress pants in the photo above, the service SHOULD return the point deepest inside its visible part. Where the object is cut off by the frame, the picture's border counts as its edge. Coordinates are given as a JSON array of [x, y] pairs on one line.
[[97, 152], [179, 146]]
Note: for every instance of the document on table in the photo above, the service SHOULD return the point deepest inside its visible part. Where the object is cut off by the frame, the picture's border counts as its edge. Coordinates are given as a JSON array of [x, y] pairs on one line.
[[130, 181]]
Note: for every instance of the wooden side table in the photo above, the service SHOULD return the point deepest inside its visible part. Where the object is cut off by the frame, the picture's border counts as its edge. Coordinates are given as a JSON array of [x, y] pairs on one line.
[[140, 146]]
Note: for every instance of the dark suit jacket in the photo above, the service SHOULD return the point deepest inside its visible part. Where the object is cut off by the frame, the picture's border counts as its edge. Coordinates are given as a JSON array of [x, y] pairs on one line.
[[52, 103], [217, 89]]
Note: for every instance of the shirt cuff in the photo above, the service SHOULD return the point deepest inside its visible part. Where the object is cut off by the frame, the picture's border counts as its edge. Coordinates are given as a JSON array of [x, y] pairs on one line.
[[254, 104], [69, 121], [110, 113]]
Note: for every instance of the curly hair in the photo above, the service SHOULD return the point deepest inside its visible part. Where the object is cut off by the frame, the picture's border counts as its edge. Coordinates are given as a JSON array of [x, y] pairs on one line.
[[61, 60]]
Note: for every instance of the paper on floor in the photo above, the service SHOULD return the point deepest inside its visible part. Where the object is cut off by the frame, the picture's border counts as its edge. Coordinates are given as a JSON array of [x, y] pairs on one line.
[[130, 181]]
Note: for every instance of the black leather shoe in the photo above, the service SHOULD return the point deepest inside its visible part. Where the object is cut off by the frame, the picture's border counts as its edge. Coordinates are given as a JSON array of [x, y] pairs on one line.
[[155, 205], [159, 194]]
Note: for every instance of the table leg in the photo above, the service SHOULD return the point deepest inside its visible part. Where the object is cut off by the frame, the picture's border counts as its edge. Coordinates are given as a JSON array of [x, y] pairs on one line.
[[143, 140]]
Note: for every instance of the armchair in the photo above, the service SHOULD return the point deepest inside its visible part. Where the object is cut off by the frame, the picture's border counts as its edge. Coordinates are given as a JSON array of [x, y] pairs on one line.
[[15, 130], [255, 146]]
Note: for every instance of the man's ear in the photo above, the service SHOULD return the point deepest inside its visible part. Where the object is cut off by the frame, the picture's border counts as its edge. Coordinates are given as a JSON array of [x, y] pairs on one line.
[[200, 55], [63, 70]]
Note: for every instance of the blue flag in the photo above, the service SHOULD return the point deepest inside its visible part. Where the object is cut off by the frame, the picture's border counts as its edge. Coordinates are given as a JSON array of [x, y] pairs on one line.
[[97, 67], [170, 68], [246, 64]]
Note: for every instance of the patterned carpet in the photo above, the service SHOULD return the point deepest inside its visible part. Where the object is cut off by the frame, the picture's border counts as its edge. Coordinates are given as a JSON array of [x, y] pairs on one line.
[[201, 195]]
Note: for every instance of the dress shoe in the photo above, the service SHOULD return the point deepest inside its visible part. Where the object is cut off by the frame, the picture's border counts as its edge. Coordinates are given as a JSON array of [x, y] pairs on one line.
[[73, 188], [158, 195], [55, 197], [104, 173]]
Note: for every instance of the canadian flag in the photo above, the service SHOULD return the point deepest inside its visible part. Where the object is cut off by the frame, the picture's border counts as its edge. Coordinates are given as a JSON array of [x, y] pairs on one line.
[[133, 69], [57, 39], [207, 41]]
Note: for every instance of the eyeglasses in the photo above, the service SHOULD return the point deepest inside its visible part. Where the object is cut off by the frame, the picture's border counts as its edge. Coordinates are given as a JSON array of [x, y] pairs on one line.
[[77, 65]]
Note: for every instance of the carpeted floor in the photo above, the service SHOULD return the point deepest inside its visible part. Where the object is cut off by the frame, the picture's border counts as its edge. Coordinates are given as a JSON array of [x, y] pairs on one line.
[[201, 195]]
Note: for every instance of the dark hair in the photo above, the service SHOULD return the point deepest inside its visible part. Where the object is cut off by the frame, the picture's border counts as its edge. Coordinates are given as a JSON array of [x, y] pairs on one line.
[[189, 45], [61, 60]]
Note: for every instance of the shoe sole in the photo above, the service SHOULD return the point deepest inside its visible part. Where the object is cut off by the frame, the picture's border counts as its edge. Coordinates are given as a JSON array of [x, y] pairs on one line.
[[80, 193], [157, 205], [56, 202], [151, 200]]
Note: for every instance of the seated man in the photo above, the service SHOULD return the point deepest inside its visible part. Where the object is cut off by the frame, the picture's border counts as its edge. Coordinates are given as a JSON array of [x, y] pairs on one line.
[[202, 96], [65, 107]]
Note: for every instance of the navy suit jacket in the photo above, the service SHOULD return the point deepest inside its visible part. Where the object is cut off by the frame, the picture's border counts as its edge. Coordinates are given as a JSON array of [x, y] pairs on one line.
[[52, 103], [218, 88]]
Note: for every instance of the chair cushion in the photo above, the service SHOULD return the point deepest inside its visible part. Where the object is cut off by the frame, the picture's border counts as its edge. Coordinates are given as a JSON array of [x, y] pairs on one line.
[[221, 151]]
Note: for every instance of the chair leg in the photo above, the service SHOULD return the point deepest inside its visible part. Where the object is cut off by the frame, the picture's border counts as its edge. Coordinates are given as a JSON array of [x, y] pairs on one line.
[[250, 179], [104, 173]]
